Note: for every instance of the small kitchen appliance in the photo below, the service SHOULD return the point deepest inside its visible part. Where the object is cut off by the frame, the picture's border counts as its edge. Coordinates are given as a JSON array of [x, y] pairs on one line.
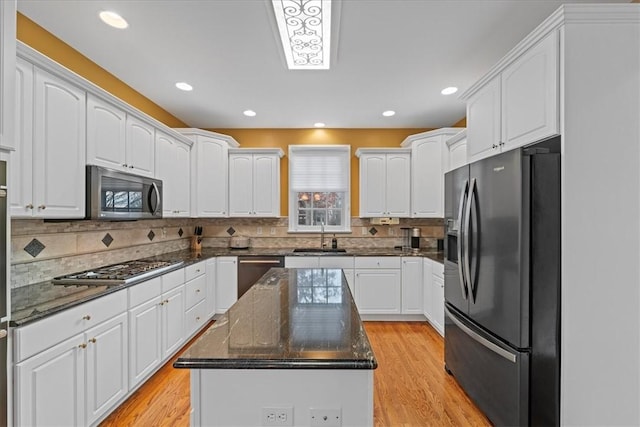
[[415, 240]]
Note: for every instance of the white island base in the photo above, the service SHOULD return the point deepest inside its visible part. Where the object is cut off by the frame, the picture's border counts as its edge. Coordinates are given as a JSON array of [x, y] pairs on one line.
[[236, 397]]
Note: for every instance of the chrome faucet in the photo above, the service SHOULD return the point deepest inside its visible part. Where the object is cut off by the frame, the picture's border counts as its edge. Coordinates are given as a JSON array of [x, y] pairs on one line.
[[322, 244]]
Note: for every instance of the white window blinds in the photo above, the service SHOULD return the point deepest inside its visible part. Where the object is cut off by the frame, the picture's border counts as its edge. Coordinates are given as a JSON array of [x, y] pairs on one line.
[[319, 168]]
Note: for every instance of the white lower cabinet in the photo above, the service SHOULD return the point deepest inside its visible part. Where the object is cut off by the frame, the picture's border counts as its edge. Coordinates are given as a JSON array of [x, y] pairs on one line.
[[437, 295], [427, 276], [226, 282], [378, 285], [107, 366], [77, 381], [173, 332], [145, 340], [50, 386], [412, 285], [211, 288]]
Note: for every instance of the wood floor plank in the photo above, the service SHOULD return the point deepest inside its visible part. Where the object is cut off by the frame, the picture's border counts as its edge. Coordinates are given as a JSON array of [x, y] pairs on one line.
[[412, 388]]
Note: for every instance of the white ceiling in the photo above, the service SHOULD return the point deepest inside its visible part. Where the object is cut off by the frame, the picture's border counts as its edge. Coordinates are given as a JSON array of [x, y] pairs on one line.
[[386, 54]]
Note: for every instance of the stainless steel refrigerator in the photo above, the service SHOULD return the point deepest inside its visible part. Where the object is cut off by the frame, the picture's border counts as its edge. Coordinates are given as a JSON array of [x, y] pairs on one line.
[[502, 283]]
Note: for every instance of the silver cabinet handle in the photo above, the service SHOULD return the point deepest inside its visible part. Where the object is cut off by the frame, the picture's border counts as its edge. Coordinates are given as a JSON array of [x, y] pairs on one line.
[[87, 317], [29, 206], [43, 207], [93, 340], [131, 167], [125, 165], [83, 345]]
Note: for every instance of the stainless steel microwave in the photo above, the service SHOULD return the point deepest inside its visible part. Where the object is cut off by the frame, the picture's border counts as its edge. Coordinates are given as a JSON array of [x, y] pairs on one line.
[[114, 195]]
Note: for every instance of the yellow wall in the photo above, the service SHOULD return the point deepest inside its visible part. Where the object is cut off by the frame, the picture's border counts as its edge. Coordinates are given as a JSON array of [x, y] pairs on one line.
[[282, 138], [46, 43]]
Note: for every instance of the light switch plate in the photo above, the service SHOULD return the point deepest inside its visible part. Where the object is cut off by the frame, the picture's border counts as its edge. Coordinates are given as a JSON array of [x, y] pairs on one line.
[[325, 417]]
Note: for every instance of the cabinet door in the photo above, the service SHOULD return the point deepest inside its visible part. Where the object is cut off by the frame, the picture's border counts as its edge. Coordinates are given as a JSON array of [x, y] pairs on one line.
[[166, 169], [427, 289], [21, 169], [266, 185], [140, 153], [7, 72], [107, 366], [210, 160], [182, 181], [378, 291], [50, 386], [530, 95], [398, 185], [458, 154], [412, 285], [427, 185], [226, 283], [373, 184], [106, 138], [145, 340], [211, 288], [437, 309], [240, 184], [483, 122], [59, 148], [173, 330]]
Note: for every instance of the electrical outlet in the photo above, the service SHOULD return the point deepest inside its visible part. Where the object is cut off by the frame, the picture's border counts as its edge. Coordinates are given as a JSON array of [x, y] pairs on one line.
[[392, 232], [325, 417], [280, 416], [259, 231], [364, 231]]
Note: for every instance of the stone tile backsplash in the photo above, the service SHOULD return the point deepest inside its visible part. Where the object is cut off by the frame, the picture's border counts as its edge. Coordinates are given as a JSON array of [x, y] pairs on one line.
[[64, 247]]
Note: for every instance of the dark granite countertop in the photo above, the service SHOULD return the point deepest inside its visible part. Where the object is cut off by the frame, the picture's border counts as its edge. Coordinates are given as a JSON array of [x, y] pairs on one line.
[[36, 301], [290, 319]]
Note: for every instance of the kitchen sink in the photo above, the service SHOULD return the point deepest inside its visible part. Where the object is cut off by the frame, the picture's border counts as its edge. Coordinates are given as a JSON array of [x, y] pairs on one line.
[[321, 250]]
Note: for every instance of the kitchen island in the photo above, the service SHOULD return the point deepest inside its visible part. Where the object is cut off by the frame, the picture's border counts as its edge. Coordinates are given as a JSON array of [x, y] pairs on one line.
[[291, 351]]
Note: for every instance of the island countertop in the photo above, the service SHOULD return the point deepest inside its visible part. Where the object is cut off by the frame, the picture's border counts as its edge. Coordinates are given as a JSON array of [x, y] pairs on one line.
[[293, 318]]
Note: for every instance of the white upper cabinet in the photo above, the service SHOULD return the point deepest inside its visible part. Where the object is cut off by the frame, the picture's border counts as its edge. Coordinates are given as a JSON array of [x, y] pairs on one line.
[[429, 161], [518, 106], [209, 172], [7, 72], [118, 141], [483, 122], [140, 148], [385, 182], [173, 165], [457, 146], [49, 162], [254, 182], [530, 95]]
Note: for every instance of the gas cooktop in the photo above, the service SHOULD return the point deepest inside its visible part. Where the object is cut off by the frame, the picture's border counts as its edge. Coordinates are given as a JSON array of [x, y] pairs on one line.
[[116, 274]]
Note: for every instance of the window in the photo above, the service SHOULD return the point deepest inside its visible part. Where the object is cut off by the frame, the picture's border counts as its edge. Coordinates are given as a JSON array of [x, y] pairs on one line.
[[319, 182]]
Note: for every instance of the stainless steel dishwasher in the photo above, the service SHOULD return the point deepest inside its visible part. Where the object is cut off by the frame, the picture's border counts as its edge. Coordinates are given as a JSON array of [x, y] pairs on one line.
[[253, 267]]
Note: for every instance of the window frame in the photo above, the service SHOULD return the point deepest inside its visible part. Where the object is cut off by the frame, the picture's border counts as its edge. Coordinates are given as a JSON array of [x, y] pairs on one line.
[[294, 227]]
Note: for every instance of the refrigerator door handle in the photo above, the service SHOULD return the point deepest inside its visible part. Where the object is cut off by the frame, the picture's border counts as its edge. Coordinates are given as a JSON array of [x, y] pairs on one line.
[[463, 198], [483, 341], [466, 238]]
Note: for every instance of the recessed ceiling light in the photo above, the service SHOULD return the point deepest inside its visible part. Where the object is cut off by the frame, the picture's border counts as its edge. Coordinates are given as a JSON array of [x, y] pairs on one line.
[[449, 90], [184, 86], [113, 19], [249, 113], [389, 113], [319, 125]]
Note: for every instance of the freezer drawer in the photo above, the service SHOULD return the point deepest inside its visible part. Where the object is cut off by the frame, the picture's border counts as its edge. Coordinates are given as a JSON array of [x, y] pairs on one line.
[[495, 376]]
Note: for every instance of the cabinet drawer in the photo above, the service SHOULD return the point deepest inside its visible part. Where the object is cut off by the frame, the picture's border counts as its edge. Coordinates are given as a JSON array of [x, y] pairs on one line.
[[172, 280], [301, 262], [194, 270], [38, 336], [195, 290], [336, 262], [195, 318], [144, 291], [438, 269], [378, 262]]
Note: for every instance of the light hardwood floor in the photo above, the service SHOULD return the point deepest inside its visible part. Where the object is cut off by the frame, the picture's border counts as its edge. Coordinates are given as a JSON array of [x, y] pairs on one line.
[[411, 386]]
